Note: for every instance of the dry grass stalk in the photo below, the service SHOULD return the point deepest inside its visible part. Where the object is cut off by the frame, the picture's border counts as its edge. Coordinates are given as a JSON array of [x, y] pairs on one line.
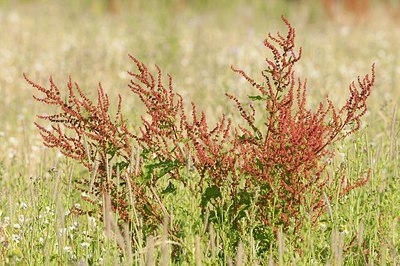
[[197, 251], [150, 251]]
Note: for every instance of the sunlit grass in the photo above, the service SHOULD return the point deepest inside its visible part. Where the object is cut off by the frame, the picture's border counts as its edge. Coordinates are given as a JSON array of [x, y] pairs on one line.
[[196, 44]]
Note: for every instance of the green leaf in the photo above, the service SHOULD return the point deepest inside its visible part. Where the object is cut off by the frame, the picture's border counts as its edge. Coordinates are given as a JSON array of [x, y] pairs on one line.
[[122, 165], [169, 189], [256, 97], [259, 164], [210, 193], [145, 154], [163, 168], [245, 197]]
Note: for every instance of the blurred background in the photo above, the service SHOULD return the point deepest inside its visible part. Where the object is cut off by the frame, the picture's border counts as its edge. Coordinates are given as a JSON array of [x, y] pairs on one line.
[[196, 41]]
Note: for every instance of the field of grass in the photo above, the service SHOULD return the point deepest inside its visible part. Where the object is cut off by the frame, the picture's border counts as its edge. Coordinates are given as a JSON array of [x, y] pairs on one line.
[[196, 43]]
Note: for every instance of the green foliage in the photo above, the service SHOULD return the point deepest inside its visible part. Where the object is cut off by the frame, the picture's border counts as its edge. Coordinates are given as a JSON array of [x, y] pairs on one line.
[[222, 230], [284, 165]]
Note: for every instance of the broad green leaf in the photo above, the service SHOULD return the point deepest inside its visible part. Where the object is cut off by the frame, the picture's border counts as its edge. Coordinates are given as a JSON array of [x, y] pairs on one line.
[[169, 189], [212, 192]]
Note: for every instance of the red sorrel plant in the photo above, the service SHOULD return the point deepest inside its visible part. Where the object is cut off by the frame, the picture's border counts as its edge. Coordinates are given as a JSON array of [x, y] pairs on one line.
[[282, 158], [85, 132], [285, 157]]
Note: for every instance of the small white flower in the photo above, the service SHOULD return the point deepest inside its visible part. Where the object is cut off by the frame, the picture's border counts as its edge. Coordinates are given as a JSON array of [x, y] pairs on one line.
[[16, 238], [41, 240], [6, 221], [62, 231], [85, 244], [17, 226], [23, 205], [77, 205], [67, 212], [11, 153], [49, 211], [12, 140], [341, 156], [35, 148], [323, 226], [21, 218], [68, 249], [74, 226], [92, 219], [122, 75]]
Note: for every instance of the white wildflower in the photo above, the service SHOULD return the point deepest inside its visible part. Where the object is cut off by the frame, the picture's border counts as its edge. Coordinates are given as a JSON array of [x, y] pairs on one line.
[[49, 211], [74, 226], [23, 205], [16, 238], [342, 156], [323, 226], [62, 231], [12, 140], [6, 221], [38, 67], [35, 148], [20, 117], [11, 153], [92, 221]]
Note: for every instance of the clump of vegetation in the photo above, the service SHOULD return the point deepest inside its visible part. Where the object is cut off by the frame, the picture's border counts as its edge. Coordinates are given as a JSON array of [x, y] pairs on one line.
[[271, 167]]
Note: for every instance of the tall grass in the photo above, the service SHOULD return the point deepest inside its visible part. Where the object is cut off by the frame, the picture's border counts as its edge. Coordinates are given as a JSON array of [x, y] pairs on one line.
[[197, 48]]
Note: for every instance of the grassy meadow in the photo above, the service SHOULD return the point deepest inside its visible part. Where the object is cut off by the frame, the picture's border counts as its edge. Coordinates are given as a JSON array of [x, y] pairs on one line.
[[196, 42]]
